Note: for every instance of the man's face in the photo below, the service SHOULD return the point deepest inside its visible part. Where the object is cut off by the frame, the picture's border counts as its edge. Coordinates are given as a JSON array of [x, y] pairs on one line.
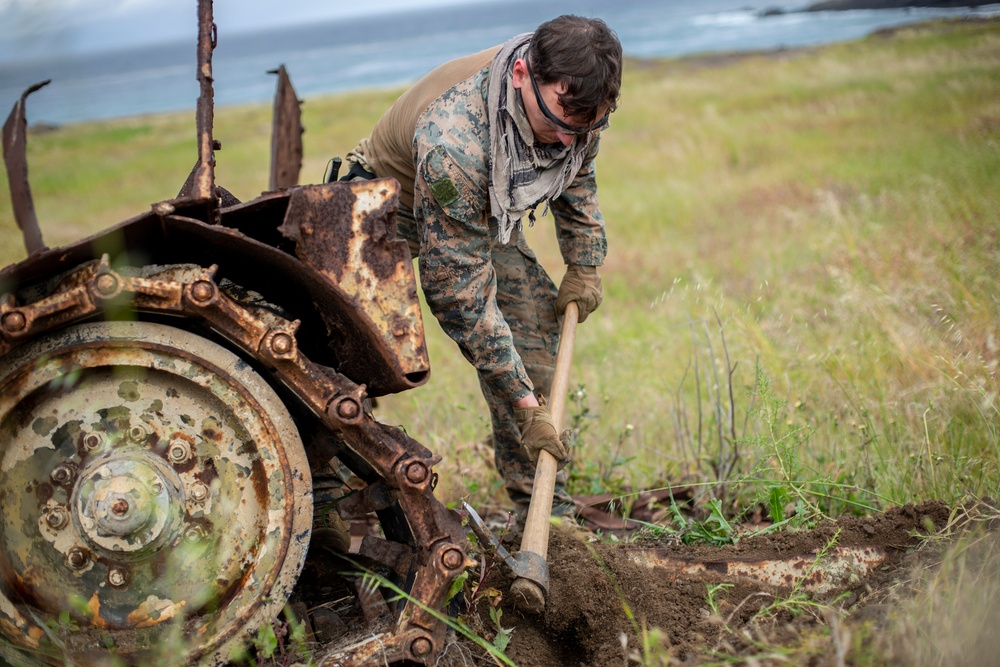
[[548, 128]]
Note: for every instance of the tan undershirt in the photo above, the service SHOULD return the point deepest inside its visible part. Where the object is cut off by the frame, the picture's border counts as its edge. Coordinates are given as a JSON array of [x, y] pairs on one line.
[[389, 149]]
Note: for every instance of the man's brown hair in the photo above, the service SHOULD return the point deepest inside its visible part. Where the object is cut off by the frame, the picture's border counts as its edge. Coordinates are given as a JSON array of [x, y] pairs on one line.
[[586, 55]]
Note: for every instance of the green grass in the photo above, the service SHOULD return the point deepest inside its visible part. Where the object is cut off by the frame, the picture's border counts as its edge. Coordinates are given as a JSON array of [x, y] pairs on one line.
[[825, 220]]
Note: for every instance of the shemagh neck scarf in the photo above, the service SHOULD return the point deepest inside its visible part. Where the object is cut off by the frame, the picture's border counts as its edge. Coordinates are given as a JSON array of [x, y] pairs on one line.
[[522, 175]]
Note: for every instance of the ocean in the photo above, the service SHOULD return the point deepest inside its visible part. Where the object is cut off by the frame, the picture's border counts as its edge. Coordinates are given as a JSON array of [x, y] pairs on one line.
[[391, 50]]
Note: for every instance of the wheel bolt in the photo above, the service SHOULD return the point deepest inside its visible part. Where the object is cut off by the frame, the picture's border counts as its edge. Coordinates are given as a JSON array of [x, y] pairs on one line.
[[421, 646], [117, 577], [348, 409], [119, 507], [202, 291], [138, 433], [77, 558], [194, 534], [57, 518], [453, 558], [179, 451], [92, 441], [416, 472], [62, 474], [199, 492], [106, 283], [281, 343], [14, 321]]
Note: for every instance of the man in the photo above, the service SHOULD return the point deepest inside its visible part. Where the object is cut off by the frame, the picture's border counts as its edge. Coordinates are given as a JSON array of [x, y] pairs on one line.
[[476, 145]]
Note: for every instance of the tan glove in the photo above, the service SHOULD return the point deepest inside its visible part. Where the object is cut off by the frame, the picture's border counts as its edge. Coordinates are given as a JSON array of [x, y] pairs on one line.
[[583, 285], [538, 433]]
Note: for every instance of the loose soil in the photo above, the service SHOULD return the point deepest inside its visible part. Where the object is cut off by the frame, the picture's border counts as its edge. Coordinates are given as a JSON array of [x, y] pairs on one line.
[[604, 609], [598, 596]]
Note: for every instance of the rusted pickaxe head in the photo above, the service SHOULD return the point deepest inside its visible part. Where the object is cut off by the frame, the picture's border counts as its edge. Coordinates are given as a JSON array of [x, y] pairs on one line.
[[523, 565]]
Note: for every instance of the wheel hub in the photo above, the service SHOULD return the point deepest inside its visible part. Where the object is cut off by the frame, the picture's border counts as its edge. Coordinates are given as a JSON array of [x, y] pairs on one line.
[[129, 504]]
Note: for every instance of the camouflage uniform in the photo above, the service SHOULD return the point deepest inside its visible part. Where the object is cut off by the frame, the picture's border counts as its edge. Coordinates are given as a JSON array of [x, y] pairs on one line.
[[494, 300]]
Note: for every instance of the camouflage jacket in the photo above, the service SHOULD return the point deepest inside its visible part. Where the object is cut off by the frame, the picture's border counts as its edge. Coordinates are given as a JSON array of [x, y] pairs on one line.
[[456, 233]]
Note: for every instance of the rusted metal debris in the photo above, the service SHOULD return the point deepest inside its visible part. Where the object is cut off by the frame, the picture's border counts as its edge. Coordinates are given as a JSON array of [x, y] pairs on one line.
[[286, 134], [158, 474], [15, 143], [204, 175]]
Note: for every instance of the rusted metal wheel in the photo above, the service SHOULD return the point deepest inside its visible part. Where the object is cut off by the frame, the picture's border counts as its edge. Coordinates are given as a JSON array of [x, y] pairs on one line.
[[156, 498]]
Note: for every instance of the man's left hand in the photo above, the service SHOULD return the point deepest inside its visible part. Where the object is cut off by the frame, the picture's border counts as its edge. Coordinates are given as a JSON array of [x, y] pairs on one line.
[[583, 285]]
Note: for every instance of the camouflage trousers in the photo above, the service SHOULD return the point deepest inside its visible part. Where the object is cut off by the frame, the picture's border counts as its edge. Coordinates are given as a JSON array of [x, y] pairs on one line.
[[526, 297]]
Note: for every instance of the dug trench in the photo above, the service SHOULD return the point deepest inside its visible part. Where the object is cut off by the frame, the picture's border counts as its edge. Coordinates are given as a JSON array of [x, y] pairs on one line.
[[643, 599], [602, 602]]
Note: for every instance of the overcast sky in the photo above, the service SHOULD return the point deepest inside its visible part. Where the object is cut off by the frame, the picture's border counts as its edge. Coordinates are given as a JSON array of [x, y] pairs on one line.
[[35, 28]]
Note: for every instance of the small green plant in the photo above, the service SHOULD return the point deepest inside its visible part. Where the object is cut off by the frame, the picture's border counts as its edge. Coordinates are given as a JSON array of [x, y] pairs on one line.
[[502, 637], [712, 591], [282, 642], [715, 529]]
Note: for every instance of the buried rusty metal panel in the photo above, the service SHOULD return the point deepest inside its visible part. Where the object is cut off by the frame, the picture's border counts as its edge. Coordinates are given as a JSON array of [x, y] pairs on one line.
[[286, 134], [15, 144], [346, 231], [818, 573]]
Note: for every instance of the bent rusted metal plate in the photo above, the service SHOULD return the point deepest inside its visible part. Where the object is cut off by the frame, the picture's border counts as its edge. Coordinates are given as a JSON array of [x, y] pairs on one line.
[[347, 232], [837, 568], [286, 134], [150, 479], [15, 146]]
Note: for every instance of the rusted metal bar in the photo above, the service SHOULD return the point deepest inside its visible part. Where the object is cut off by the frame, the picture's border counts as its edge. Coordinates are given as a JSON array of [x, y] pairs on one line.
[[372, 604], [15, 157], [204, 181], [372, 498], [286, 134]]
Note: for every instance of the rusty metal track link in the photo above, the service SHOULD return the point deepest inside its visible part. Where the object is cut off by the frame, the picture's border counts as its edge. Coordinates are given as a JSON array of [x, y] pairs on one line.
[[406, 466]]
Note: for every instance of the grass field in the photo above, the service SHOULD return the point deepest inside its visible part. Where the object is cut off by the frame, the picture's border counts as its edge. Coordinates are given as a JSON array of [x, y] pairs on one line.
[[800, 290], [800, 296]]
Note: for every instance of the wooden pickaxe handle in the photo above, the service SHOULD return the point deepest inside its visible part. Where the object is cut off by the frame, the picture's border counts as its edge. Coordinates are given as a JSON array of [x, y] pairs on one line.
[[529, 595]]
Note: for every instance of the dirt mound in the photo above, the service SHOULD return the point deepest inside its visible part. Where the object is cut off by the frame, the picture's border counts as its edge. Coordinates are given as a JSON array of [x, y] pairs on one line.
[[610, 603], [603, 606]]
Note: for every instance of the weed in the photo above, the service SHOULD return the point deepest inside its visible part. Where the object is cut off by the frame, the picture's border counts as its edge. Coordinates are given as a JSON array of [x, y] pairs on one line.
[[715, 529], [456, 624], [711, 592], [282, 642]]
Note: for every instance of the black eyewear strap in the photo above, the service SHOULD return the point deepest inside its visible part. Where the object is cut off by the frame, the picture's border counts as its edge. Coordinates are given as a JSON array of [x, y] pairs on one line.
[[568, 129]]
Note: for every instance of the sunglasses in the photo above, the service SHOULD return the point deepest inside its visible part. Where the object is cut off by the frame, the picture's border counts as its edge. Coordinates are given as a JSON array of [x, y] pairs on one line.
[[555, 120]]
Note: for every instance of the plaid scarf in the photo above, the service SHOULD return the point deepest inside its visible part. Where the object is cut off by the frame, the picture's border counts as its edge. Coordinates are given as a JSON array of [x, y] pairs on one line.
[[522, 175]]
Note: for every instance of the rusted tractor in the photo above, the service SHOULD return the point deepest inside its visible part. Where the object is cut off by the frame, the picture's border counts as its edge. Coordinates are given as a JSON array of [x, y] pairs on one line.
[[179, 391]]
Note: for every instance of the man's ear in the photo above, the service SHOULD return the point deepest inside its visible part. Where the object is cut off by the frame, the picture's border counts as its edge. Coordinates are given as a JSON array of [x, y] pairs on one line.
[[519, 75]]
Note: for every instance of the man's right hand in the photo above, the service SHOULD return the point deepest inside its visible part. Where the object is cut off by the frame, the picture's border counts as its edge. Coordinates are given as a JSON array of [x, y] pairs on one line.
[[538, 433], [583, 285]]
